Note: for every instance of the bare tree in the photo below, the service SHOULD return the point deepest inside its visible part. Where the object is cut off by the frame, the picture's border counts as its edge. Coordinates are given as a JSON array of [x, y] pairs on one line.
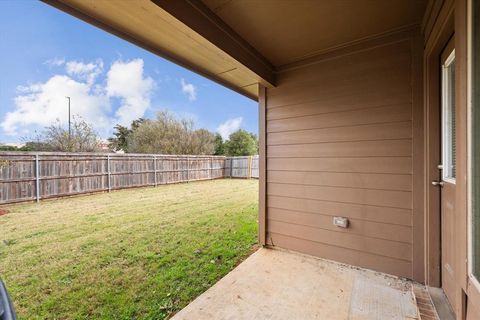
[[82, 139]]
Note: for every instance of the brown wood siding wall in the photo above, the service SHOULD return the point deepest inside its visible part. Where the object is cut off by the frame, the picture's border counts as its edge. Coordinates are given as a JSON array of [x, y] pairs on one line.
[[339, 142]]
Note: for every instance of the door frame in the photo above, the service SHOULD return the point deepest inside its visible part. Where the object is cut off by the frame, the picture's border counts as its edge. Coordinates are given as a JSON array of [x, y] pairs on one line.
[[451, 17], [433, 75], [473, 284], [448, 186]]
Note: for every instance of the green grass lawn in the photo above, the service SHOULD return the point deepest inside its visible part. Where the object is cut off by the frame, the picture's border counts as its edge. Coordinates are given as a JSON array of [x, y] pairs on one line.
[[131, 254]]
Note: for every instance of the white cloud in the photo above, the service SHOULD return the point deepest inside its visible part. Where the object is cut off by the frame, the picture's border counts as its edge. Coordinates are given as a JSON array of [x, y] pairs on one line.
[[125, 80], [40, 104], [189, 89], [229, 127], [85, 71], [55, 62]]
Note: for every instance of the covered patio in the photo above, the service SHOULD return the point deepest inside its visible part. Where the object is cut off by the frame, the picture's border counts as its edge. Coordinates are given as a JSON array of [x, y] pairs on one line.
[[367, 141], [280, 284]]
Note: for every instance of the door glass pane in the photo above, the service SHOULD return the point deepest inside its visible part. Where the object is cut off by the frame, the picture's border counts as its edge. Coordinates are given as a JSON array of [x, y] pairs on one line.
[[476, 139], [448, 116]]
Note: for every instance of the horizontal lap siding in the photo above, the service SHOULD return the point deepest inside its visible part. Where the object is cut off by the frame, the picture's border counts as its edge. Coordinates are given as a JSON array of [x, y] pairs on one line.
[[400, 182], [384, 198], [400, 148], [373, 132], [388, 114], [345, 255], [386, 248], [355, 211], [339, 143], [394, 165], [371, 229]]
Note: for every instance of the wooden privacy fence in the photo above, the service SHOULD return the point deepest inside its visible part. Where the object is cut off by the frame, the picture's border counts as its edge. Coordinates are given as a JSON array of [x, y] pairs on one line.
[[241, 167], [27, 176]]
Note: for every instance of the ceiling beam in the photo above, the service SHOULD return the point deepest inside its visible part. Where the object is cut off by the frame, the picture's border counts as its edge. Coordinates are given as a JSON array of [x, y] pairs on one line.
[[198, 17]]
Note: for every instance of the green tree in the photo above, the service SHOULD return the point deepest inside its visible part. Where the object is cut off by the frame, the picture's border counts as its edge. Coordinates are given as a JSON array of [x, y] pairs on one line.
[[255, 138], [119, 141], [202, 142], [4, 147], [168, 134], [241, 143], [29, 144], [36, 146], [219, 149]]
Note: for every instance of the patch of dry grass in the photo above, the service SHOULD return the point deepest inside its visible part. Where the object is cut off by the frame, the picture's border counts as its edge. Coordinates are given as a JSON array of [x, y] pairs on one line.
[[131, 254]]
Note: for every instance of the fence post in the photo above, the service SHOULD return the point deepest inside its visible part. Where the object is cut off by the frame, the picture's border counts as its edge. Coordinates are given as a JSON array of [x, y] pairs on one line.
[[224, 168], [227, 173], [37, 178], [108, 173], [249, 173], [155, 170], [188, 169], [210, 171]]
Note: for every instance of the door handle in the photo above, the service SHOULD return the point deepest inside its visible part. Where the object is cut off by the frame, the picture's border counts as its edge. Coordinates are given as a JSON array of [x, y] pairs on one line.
[[437, 183]]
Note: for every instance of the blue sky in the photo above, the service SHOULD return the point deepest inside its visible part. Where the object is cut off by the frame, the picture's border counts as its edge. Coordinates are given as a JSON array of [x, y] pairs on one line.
[[46, 55]]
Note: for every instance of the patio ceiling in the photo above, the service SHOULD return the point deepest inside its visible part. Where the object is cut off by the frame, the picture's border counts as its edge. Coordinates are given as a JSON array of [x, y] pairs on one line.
[[289, 31], [241, 44]]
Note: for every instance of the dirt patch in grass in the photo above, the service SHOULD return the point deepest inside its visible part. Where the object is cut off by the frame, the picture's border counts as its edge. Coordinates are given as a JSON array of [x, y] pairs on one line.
[[252, 250], [131, 254], [3, 211]]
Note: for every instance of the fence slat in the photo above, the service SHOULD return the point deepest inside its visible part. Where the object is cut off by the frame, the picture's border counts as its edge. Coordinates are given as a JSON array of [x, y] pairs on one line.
[[243, 167]]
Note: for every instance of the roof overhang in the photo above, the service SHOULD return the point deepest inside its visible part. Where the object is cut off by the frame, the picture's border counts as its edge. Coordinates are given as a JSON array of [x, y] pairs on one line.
[[242, 44], [224, 58]]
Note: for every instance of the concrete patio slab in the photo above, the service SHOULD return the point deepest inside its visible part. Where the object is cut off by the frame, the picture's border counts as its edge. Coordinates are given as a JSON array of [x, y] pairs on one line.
[[278, 284]]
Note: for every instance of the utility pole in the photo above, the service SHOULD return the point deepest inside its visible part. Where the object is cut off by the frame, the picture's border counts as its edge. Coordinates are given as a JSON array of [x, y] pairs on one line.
[[69, 121]]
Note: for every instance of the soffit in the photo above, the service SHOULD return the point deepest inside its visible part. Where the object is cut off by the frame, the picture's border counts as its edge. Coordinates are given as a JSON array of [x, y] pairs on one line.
[[286, 31]]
